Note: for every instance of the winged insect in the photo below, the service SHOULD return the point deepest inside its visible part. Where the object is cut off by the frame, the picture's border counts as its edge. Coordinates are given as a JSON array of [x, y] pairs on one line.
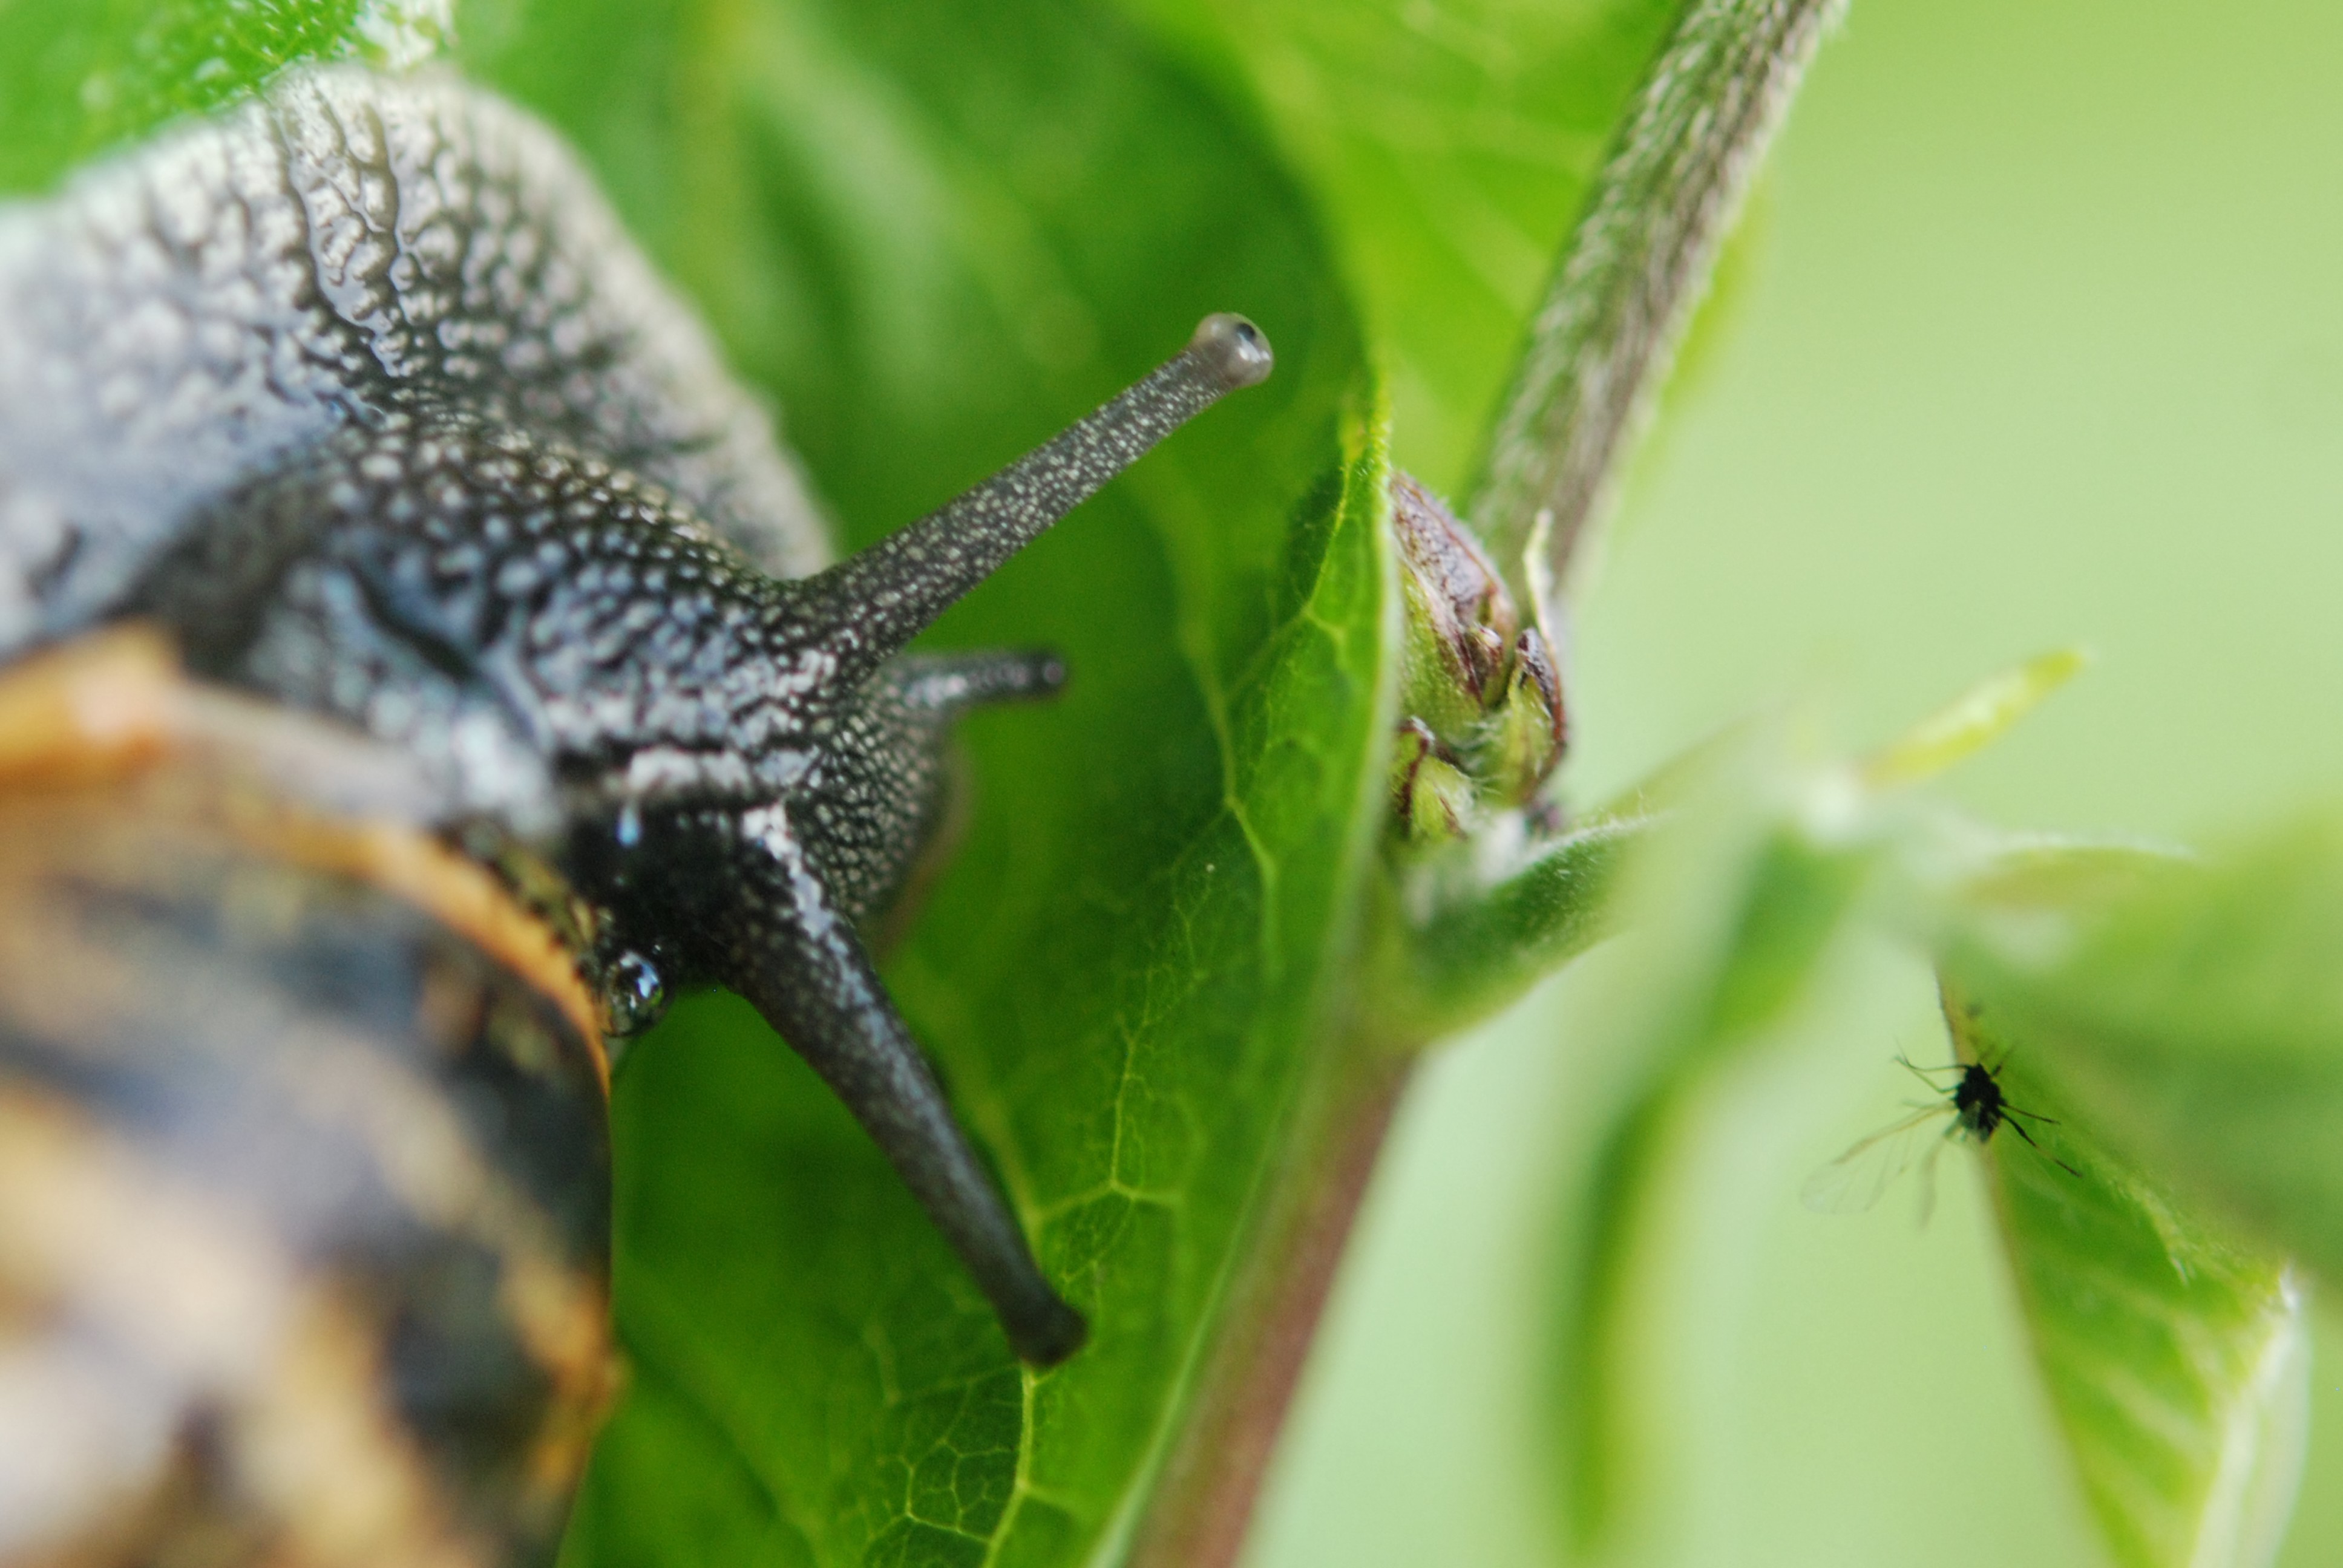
[[1971, 1108]]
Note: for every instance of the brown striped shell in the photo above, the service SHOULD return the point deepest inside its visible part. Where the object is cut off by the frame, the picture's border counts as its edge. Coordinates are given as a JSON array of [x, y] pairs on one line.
[[303, 1220]]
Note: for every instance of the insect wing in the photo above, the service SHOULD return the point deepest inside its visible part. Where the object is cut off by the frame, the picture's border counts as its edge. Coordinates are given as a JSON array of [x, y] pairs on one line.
[[1854, 1181], [1927, 1202]]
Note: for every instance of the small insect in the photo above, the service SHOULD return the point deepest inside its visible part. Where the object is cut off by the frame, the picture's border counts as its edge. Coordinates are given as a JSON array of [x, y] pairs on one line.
[[1977, 1108]]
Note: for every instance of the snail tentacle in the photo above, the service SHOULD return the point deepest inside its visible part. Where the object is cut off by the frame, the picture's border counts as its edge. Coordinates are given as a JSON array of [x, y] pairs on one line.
[[948, 684], [878, 599], [779, 940]]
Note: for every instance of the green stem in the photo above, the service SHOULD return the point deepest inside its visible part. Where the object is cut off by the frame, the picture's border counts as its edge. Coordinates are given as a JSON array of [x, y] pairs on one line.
[[1632, 270], [1204, 1503]]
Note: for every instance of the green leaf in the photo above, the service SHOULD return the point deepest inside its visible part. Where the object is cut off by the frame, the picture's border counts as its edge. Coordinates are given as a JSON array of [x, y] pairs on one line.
[[1971, 721], [1747, 875], [2194, 1010], [935, 237], [1450, 147], [2177, 1359], [79, 76]]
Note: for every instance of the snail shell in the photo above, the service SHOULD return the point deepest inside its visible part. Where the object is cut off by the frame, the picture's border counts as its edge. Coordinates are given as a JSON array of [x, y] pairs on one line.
[[304, 1186]]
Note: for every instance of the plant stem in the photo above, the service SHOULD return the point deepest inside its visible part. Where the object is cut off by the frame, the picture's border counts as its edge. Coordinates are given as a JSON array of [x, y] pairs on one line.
[[1204, 1503], [1633, 269]]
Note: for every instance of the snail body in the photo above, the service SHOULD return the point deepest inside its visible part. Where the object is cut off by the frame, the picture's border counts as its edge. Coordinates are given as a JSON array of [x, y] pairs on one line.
[[360, 396]]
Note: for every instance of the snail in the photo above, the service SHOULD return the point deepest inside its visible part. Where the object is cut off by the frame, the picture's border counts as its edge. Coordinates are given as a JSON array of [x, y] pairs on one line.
[[360, 397]]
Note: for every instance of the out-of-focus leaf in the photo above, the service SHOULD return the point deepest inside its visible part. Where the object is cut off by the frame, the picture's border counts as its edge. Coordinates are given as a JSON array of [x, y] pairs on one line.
[[2030, 887], [936, 235], [1734, 902], [1450, 146], [2194, 1011], [78, 76], [1971, 721], [2176, 1358], [1747, 873]]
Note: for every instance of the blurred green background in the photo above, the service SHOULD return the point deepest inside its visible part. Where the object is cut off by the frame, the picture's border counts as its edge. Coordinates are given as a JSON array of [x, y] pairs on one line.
[[2035, 336]]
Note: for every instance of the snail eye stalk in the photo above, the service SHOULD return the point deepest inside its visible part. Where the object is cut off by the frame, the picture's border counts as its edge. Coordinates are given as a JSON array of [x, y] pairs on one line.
[[948, 684], [796, 959], [871, 604]]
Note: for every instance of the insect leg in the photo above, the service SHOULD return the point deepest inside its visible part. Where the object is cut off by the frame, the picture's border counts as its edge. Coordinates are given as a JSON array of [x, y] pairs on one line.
[[797, 959], [1922, 1072], [2012, 1124]]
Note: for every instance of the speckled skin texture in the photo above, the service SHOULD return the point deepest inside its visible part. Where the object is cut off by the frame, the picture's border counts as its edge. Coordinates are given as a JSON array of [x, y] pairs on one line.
[[363, 393], [349, 246]]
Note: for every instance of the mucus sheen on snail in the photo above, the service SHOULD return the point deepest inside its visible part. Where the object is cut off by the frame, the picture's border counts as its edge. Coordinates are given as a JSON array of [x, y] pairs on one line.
[[361, 394]]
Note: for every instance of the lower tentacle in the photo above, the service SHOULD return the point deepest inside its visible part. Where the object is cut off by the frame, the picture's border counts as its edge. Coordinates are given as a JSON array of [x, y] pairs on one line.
[[795, 958]]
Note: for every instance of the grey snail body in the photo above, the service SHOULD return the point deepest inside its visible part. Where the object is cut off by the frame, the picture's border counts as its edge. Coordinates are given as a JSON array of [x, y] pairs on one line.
[[361, 397]]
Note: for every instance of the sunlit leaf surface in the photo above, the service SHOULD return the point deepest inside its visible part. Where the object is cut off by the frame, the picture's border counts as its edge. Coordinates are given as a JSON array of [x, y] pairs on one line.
[[79, 77]]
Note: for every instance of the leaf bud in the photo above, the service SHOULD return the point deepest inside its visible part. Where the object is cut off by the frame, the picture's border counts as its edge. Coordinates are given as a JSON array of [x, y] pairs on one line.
[[1482, 722]]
